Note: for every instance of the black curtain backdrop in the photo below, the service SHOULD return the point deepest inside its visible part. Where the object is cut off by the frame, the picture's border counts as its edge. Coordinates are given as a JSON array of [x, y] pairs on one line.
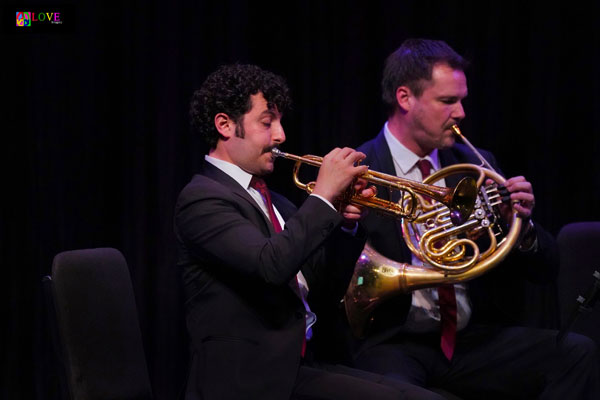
[[97, 145]]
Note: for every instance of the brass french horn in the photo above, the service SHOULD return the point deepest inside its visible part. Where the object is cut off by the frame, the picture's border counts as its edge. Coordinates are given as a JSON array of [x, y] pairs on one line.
[[448, 250]]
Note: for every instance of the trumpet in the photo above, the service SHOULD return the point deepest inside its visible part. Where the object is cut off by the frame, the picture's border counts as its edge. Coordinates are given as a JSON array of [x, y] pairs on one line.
[[460, 200]]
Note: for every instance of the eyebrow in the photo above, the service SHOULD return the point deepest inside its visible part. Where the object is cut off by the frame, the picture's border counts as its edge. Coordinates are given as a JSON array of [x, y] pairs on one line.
[[270, 113], [455, 98]]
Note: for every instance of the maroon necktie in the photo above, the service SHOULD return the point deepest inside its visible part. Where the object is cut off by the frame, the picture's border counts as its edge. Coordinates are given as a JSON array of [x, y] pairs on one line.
[[260, 185], [447, 297]]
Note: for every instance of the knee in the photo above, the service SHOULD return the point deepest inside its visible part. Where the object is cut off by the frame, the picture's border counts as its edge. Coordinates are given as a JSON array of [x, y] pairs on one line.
[[580, 349]]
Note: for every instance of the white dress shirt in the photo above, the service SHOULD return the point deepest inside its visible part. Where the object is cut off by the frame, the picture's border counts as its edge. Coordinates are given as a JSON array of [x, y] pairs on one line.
[[424, 313]]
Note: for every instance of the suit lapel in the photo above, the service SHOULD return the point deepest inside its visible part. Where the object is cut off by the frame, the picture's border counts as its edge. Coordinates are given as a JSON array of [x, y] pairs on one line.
[[214, 173], [447, 157], [383, 162]]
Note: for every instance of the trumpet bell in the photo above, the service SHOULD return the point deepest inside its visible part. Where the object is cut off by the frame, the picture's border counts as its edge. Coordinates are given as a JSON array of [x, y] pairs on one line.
[[462, 203]]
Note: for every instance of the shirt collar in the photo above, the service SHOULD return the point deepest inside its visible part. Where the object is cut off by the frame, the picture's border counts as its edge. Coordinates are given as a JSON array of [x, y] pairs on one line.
[[405, 158], [238, 174]]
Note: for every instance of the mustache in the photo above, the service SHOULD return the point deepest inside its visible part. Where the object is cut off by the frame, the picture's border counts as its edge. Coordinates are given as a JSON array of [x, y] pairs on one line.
[[451, 124]]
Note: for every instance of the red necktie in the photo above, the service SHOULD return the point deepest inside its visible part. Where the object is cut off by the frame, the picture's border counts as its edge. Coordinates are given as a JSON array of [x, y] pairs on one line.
[[260, 185], [447, 297]]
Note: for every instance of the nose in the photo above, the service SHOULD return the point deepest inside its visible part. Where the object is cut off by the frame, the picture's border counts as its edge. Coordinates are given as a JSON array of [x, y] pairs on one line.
[[278, 135], [458, 113]]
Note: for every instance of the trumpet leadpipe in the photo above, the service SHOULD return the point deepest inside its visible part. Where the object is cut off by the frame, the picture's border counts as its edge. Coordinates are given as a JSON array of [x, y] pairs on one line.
[[460, 200]]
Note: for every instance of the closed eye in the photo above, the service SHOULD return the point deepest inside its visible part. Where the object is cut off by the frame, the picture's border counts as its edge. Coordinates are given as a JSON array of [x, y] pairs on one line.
[[449, 100]]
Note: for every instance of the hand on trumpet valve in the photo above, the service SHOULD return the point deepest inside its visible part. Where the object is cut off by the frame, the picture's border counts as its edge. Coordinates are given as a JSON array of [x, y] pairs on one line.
[[353, 213], [337, 172]]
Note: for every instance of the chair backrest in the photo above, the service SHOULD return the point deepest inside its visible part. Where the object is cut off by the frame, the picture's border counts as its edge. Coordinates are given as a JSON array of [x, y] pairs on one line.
[[578, 261], [98, 326]]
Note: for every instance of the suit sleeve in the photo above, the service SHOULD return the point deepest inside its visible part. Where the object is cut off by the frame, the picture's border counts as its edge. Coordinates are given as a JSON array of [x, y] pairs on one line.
[[329, 269], [330, 274], [215, 225], [541, 265]]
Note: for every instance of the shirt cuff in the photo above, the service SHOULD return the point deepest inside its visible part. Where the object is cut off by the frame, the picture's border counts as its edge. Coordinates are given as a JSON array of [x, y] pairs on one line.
[[529, 242], [325, 200], [350, 231]]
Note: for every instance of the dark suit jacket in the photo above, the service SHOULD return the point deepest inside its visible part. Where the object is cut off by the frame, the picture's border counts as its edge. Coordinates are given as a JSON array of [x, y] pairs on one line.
[[245, 321], [497, 297]]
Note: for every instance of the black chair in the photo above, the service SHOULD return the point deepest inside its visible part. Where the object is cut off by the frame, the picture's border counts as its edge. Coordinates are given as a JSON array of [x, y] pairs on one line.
[[98, 332], [578, 262]]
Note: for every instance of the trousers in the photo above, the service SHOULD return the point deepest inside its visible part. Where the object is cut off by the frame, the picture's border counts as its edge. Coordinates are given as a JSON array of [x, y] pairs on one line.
[[493, 363]]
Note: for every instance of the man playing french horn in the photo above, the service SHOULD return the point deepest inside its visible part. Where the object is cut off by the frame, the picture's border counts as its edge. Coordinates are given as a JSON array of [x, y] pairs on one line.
[[457, 335]]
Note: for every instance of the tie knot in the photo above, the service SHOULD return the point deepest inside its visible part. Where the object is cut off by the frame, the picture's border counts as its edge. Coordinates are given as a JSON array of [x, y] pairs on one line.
[[258, 184], [425, 167]]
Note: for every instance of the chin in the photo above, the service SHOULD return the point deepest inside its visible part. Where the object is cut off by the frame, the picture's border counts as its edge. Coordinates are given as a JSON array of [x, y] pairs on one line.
[[449, 142], [268, 169]]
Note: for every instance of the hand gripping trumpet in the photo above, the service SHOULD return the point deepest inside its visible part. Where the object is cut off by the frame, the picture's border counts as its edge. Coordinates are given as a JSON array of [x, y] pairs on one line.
[[448, 250], [459, 201]]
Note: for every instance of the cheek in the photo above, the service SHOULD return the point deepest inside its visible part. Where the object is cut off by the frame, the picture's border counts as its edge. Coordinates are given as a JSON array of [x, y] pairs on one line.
[[263, 140], [448, 111], [258, 143]]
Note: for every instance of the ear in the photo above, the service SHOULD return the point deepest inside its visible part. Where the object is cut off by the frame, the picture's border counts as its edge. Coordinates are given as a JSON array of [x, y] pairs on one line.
[[404, 98], [225, 125]]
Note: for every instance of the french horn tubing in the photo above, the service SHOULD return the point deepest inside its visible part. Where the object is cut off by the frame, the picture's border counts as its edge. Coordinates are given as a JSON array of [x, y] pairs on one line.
[[447, 249]]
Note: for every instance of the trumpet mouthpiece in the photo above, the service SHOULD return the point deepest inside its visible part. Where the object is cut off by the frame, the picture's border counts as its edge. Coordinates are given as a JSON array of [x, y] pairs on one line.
[[276, 152]]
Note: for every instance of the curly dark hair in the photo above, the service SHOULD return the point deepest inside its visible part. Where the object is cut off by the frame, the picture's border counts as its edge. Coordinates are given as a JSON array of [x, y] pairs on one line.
[[412, 63], [228, 91]]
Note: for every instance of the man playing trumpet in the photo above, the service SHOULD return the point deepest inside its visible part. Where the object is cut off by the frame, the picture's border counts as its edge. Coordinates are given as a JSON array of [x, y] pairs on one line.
[[256, 270]]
